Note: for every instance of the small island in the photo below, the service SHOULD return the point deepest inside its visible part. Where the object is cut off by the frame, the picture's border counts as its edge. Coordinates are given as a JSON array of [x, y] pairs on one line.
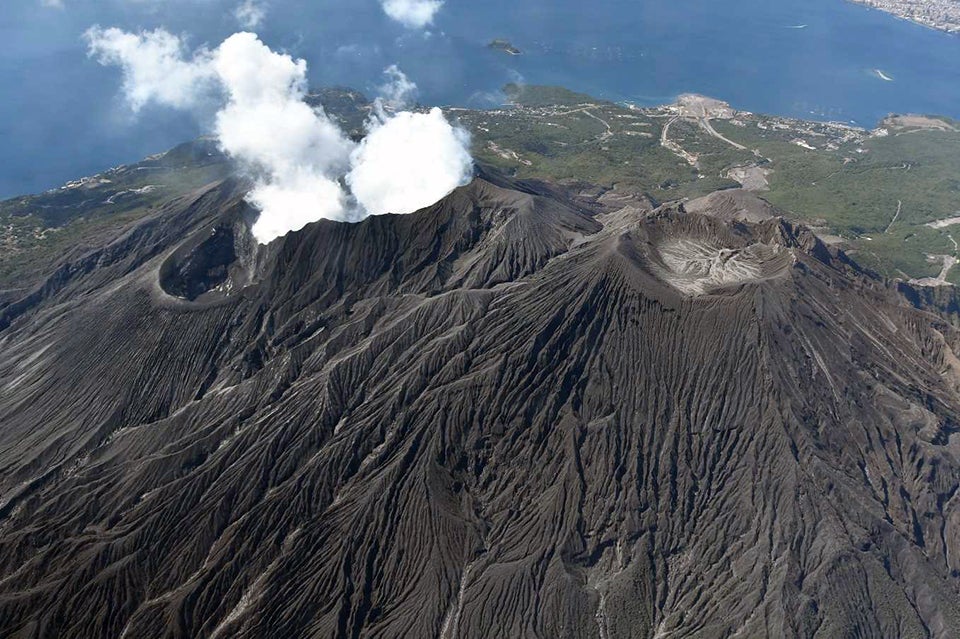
[[505, 46]]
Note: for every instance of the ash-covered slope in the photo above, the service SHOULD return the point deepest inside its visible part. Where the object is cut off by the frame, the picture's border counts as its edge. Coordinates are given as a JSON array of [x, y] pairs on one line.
[[506, 415]]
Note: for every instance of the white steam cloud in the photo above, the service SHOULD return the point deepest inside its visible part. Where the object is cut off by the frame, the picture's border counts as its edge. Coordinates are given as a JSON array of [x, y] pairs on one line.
[[414, 14], [296, 150], [398, 92], [387, 173], [155, 66], [299, 159], [388, 167]]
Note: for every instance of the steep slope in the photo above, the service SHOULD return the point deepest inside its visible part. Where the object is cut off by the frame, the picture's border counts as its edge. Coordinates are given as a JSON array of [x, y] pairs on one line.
[[506, 415]]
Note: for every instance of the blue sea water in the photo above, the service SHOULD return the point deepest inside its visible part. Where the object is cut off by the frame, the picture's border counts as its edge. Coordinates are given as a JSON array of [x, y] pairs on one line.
[[60, 116]]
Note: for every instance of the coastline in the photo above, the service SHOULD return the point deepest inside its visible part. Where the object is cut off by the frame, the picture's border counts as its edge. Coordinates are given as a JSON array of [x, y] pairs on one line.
[[951, 28]]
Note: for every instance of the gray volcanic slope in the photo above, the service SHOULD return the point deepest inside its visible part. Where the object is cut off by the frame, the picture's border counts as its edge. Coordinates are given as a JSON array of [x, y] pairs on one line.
[[513, 414]]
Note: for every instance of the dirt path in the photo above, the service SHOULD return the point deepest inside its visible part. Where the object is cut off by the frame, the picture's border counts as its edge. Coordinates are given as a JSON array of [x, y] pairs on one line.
[[588, 111], [603, 136], [665, 132], [949, 261], [705, 123], [895, 216], [675, 148], [939, 224]]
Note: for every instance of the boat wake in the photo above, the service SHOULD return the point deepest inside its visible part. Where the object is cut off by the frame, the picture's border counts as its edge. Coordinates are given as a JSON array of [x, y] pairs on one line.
[[883, 76]]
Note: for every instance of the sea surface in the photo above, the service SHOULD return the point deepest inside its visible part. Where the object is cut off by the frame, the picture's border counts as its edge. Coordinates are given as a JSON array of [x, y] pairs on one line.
[[60, 116]]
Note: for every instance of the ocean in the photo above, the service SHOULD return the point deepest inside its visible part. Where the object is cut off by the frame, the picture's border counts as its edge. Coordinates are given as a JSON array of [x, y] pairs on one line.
[[61, 118]]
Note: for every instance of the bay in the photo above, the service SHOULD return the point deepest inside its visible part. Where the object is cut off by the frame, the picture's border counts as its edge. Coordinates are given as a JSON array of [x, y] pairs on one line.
[[61, 116]]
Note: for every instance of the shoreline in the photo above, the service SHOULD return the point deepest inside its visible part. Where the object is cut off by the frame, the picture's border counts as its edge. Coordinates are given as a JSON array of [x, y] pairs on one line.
[[665, 101], [874, 5]]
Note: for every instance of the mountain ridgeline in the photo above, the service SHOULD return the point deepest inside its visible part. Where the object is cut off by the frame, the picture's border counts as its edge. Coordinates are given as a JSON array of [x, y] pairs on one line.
[[521, 412]]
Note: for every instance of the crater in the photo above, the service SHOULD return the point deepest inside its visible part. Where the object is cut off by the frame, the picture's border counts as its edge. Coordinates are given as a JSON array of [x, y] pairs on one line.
[[212, 264], [696, 266]]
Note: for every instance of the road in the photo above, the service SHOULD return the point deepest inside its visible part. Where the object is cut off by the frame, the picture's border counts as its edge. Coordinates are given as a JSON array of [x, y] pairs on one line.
[[705, 123], [675, 148], [588, 111], [895, 216]]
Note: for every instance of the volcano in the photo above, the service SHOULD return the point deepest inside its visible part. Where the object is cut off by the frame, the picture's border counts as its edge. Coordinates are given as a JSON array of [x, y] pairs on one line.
[[525, 411]]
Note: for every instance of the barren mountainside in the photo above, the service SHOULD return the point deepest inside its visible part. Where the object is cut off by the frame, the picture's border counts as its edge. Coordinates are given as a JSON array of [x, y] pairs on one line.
[[521, 412]]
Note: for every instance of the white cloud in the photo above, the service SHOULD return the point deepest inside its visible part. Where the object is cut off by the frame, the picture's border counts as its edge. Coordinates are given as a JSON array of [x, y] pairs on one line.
[[296, 155], [155, 67], [415, 14], [53, 4], [409, 161], [250, 14]]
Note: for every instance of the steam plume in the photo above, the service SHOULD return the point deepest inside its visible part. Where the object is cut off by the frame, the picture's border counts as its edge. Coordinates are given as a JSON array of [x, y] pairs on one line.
[[299, 159], [296, 150], [408, 161], [398, 92], [155, 67]]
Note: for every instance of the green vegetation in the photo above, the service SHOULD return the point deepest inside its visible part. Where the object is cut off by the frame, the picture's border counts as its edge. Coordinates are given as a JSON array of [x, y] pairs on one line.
[[528, 95], [583, 140], [858, 187], [843, 181], [39, 230], [39, 247]]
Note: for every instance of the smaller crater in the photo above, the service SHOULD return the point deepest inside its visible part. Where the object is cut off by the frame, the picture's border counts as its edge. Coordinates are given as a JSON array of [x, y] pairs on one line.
[[696, 266], [212, 265]]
